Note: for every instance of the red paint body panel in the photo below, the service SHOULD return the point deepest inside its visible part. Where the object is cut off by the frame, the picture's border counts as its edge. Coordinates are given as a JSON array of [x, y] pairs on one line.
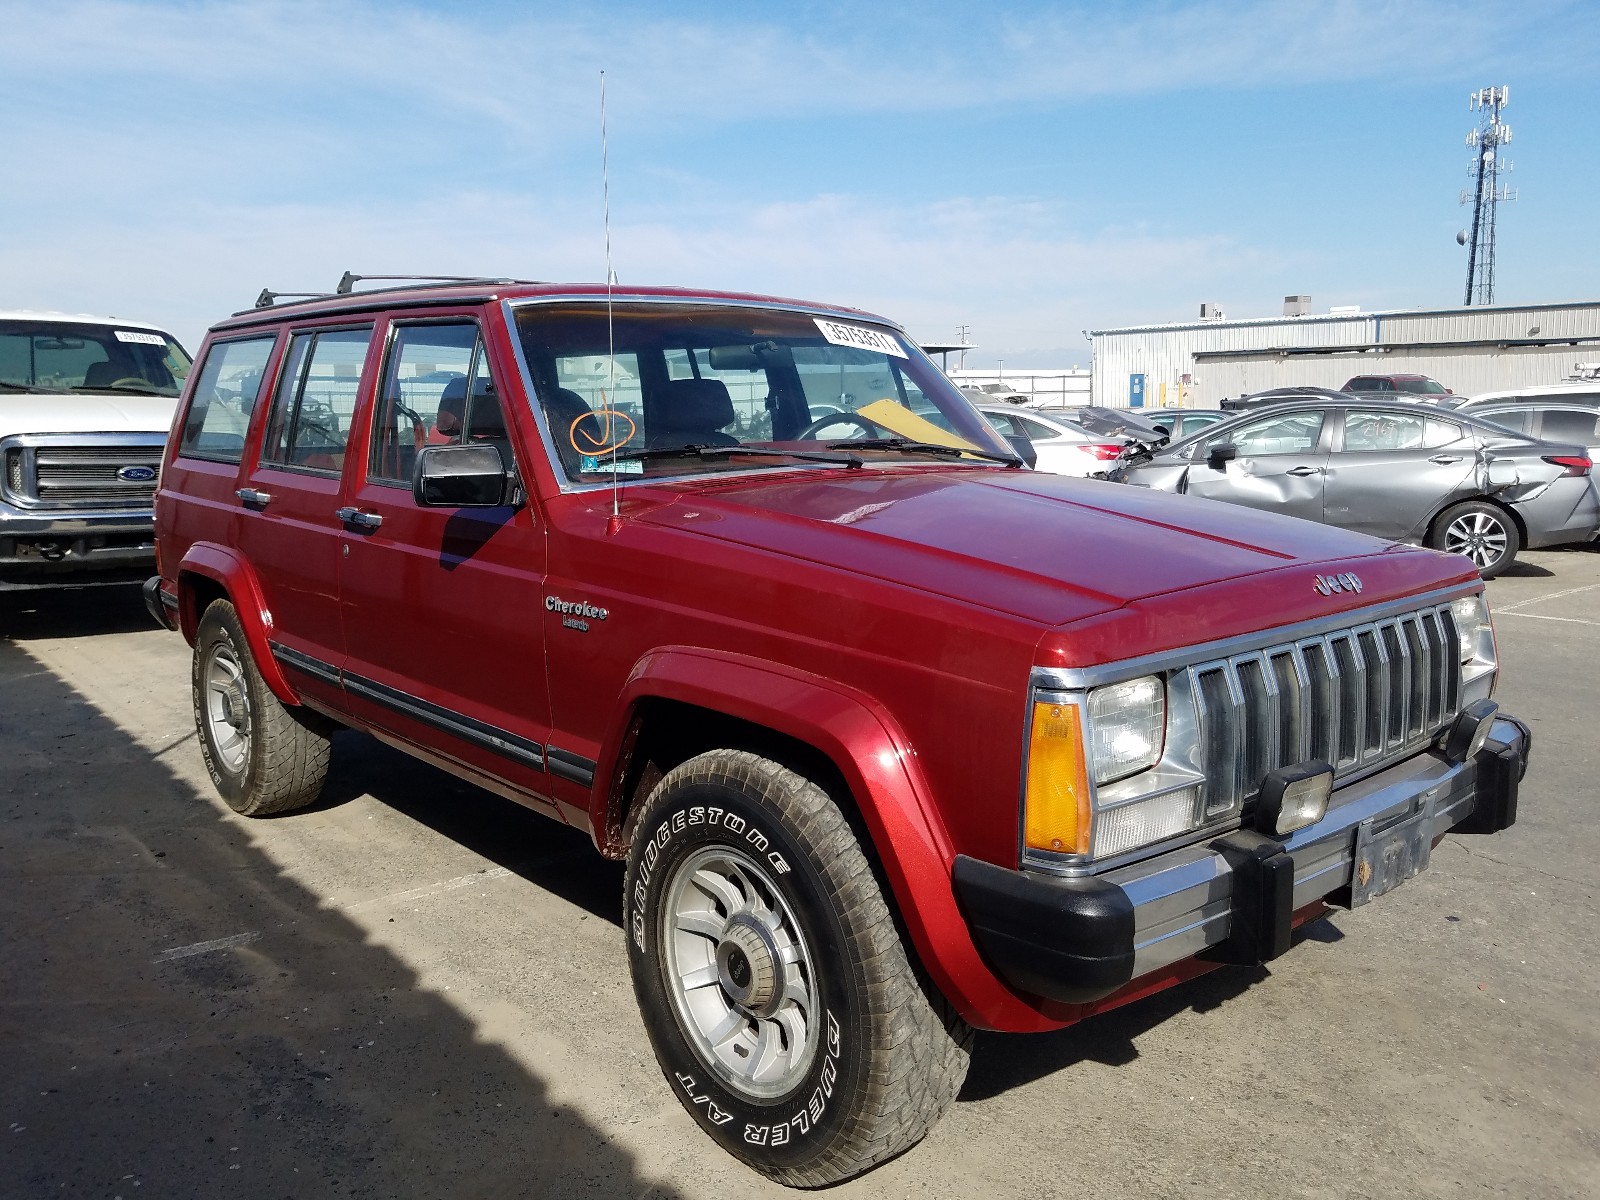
[[889, 617]]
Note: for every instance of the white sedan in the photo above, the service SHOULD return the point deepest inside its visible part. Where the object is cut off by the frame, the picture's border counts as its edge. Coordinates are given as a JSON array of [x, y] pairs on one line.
[[1063, 448]]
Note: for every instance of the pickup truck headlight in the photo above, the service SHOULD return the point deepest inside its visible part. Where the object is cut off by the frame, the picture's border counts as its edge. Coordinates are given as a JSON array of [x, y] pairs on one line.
[[1475, 639]]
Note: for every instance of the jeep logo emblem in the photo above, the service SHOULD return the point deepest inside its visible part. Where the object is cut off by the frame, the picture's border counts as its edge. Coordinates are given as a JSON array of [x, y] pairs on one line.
[[1329, 584], [136, 474]]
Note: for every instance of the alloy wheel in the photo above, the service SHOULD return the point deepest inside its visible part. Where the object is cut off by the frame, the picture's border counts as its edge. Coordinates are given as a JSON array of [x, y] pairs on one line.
[[1479, 536], [740, 972], [227, 707]]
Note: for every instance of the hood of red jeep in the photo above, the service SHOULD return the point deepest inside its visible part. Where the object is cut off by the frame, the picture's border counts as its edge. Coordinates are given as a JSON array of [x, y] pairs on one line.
[[1041, 547]]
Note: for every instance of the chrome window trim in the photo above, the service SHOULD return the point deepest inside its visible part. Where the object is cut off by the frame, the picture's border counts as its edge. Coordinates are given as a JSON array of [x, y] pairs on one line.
[[510, 306], [1074, 679]]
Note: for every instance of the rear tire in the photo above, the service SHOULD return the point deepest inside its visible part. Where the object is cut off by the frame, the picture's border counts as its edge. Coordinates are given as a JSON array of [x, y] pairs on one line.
[[772, 979], [1482, 531], [263, 756]]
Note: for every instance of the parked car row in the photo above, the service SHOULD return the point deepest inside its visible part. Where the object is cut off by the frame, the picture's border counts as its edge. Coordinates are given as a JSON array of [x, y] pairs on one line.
[[1399, 470]]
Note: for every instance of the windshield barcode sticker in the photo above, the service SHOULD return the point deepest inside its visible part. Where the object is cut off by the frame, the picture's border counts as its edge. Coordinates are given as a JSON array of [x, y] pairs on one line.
[[860, 337], [143, 339]]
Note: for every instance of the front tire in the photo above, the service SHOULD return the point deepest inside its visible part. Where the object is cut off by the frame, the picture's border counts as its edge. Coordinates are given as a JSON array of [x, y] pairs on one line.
[[1483, 532], [263, 756], [771, 977]]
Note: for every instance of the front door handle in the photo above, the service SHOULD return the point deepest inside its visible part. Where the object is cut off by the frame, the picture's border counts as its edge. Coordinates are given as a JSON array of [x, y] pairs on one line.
[[351, 515], [1302, 472], [1444, 460], [253, 497]]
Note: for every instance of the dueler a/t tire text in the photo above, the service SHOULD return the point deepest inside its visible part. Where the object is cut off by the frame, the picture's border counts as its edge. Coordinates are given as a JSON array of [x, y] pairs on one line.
[[772, 979], [263, 756]]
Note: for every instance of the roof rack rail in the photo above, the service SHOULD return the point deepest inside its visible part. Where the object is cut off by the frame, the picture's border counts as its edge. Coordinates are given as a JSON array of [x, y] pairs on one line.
[[268, 297], [349, 279]]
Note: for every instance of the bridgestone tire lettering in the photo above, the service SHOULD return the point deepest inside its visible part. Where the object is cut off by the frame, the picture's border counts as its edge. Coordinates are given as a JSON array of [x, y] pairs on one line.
[[892, 1053]]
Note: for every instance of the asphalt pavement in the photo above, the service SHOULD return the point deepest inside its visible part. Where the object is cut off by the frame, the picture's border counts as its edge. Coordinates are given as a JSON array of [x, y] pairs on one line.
[[417, 989]]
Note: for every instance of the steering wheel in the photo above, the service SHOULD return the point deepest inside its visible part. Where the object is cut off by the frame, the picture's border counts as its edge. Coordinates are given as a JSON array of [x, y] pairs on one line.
[[867, 428], [135, 380]]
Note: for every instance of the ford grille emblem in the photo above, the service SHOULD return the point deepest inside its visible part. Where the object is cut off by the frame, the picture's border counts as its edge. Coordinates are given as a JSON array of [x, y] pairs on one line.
[[136, 474], [1329, 584]]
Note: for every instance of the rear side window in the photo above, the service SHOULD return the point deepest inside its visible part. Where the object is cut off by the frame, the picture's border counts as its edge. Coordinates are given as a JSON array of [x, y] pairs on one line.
[[1034, 431], [1569, 425], [316, 400], [224, 396], [1514, 419]]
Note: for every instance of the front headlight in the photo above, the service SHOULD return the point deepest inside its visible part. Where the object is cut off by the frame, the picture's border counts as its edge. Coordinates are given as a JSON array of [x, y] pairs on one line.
[[1127, 727], [1475, 643], [1090, 791]]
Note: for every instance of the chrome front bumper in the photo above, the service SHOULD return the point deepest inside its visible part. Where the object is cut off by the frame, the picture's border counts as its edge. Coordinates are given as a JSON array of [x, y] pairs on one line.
[[51, 548], [1233, 898]]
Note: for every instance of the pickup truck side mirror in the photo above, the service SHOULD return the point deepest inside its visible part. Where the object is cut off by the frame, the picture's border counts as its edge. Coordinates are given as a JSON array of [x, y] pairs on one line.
[[1024, 448], [461, 477], [1221, 455]]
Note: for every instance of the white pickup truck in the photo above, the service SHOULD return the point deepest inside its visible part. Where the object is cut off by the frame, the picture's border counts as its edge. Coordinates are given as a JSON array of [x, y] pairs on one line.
[[85, 407]]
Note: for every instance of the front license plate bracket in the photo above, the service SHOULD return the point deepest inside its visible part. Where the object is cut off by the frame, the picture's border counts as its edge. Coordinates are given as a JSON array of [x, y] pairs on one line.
[[1384, 860]]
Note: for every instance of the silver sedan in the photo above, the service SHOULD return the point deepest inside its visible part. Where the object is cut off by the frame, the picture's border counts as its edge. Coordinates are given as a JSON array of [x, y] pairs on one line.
[[1398, 470]]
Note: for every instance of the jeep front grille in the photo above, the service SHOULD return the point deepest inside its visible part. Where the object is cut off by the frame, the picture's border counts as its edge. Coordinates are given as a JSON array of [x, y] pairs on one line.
[[1355, 698]]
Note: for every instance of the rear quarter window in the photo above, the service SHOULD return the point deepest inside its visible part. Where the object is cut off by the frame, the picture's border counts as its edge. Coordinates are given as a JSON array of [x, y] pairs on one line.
[[224, 396], [1569, 425]]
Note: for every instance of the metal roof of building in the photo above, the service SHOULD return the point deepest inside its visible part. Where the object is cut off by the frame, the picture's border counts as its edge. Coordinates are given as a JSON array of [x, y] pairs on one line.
[[1323, 318]]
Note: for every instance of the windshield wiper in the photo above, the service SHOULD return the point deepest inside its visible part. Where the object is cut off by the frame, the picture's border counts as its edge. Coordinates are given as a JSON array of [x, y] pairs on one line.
[[710, 452], [32, 388], [907, 446], [120, 387]]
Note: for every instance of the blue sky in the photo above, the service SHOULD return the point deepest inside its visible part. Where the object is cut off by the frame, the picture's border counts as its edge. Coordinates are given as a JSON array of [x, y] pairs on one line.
[[1028, 170]]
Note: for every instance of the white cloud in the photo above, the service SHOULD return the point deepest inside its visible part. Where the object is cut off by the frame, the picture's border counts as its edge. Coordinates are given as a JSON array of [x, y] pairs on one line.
[[181, 156], [929, 266]]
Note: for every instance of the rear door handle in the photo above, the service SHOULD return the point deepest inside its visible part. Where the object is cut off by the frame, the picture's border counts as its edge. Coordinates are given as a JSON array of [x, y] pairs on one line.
[[354, 516], [1302, 472], [251, 496], [1444, 460]]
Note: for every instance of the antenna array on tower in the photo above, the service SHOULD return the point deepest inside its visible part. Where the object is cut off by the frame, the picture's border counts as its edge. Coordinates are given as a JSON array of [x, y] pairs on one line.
[[1487, 192]]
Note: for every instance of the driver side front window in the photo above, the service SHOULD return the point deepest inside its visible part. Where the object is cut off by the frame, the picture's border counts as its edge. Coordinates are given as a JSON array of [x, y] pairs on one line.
[[1291, 433]]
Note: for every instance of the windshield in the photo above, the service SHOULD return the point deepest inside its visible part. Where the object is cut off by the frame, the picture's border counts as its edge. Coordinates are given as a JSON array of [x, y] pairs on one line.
[[673, 389], [69, 356], [1423, 387]]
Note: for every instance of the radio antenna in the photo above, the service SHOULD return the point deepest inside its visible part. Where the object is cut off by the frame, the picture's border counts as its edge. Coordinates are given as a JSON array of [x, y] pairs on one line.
[[611, 337]]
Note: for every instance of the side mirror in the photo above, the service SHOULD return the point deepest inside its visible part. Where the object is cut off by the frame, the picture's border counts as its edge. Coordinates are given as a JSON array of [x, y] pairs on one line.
[[460, 477], [1221, 455], [1024, 448]]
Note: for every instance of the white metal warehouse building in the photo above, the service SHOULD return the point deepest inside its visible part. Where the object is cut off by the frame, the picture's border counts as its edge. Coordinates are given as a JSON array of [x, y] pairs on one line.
[[1469, 350]]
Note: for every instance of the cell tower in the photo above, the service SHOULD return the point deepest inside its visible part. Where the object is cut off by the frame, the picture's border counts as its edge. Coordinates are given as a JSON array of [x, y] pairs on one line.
[[1487, 191]]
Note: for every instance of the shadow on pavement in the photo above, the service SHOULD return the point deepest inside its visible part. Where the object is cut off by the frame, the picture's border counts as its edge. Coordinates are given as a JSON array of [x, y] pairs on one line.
[[74, 612], [1001, 1061], [179, 1016], [566, 863]]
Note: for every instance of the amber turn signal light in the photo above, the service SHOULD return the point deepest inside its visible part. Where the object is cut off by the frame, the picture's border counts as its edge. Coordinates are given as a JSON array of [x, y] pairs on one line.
[[1056, 805]]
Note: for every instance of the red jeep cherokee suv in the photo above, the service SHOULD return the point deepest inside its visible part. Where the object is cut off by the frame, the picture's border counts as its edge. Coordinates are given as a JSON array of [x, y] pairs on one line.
[[898, 739]]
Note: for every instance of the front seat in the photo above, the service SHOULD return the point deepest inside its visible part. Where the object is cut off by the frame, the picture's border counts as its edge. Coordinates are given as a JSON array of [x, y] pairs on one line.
[[691, 412], [104, 374], [562, 410]]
